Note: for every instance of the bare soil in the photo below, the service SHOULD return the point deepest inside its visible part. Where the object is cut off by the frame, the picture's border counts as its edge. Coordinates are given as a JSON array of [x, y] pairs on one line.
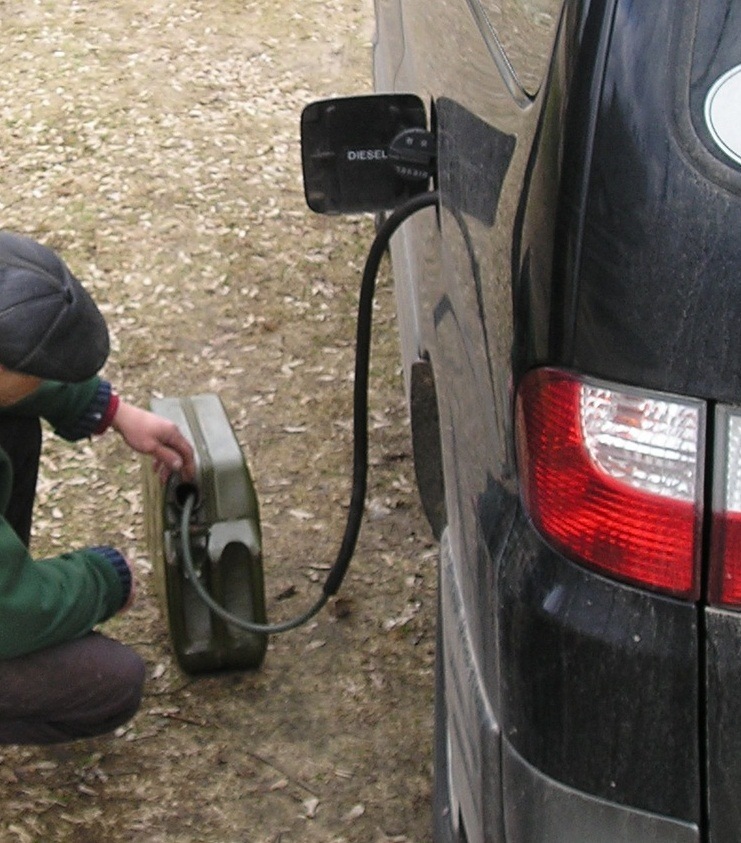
[[155, 144]]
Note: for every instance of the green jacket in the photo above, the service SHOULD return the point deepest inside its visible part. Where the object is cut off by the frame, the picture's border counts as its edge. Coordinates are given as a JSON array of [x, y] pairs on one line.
[[54, 600]]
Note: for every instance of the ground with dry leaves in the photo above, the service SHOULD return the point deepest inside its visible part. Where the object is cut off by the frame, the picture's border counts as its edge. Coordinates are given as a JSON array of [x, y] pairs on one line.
[[155, 144]]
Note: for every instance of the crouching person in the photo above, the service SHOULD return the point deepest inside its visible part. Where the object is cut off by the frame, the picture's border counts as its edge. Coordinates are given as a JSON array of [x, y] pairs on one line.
[[59, 678]]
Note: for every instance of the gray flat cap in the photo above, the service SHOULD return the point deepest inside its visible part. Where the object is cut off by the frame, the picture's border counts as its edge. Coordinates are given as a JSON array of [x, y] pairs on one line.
[[49, 325]]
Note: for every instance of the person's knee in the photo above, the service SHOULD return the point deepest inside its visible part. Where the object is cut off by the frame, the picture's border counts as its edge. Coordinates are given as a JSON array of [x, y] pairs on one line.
[[81, 689], [134, 680], [115, 688], [124, 684]]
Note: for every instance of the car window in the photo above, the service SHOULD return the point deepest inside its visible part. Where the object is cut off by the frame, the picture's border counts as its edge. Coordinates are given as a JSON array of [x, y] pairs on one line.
[[524, 30]]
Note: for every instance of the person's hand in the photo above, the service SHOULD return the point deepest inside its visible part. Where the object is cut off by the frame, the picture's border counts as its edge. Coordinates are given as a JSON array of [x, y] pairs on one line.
[[148, 433]]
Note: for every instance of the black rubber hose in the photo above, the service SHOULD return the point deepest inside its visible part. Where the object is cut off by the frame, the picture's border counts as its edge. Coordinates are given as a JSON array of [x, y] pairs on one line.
[[360, 391], [360, 436]]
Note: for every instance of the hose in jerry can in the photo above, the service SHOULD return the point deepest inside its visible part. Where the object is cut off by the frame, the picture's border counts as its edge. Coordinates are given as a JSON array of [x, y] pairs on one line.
[[360, 439]]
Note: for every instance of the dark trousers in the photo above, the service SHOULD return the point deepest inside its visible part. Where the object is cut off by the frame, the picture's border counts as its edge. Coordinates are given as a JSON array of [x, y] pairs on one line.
[[73, 690]]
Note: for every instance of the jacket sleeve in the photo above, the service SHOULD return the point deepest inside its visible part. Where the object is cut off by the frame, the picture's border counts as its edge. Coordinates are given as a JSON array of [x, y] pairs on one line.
[[74, 410], [50, 601]]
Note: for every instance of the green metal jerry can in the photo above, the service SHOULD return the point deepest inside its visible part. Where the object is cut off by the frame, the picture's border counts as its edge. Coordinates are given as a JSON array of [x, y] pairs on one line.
[[224, 538]]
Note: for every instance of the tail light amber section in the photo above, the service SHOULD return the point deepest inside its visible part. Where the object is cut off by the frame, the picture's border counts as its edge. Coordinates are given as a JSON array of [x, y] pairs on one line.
[[612, 476]]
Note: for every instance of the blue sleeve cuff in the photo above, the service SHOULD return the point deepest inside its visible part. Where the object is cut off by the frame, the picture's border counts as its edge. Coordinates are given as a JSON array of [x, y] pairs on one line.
[[120, 566], [90, 421]]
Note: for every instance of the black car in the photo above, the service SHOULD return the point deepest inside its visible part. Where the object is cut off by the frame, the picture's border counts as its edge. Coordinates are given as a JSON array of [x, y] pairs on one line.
[[571, 329]]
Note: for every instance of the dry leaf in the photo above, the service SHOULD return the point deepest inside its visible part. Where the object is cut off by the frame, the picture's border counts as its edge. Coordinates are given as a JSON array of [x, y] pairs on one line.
[[310, 806], [355, 813]]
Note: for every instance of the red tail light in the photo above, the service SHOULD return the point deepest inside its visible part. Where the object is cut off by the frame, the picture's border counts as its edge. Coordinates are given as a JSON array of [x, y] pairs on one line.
[[612, 477], [725, 552]]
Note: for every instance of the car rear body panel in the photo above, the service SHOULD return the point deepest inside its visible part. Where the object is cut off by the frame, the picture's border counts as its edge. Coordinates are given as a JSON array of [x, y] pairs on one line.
[[588, 224], [589, 665], [657, 299]]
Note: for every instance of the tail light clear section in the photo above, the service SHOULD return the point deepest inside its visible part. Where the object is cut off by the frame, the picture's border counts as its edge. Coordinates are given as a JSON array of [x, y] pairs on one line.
[[612, 477], [725, 546]]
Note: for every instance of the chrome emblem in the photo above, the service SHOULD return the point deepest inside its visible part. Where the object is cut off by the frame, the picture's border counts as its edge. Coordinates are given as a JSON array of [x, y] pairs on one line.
[[723, 113]]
